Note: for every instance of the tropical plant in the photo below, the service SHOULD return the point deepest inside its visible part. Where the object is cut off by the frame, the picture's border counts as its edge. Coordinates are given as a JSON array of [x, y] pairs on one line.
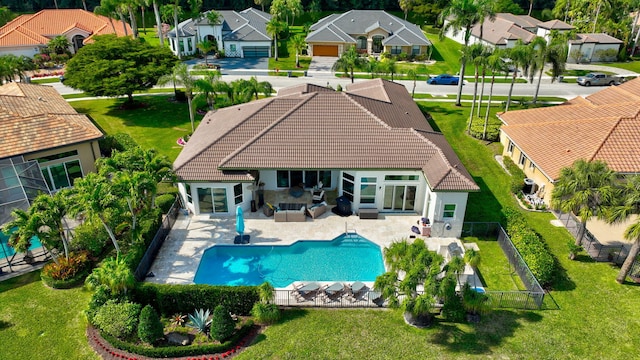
[[299, 44], [107, 9], [150, 328], [59, 44], [264, 311], [52, 211], [410, 264], [207, 88], [21, 230], [114, 273], [178, 319], [348, 61], [520, 56], [200, 321], [274, 28], [181, 75], [476, 303], [472, 257], [222, 324], [118, 319], [411, 74], [574, 249], [585, 189], [628, 205], [172, 12], [205, 47], [477, 53]]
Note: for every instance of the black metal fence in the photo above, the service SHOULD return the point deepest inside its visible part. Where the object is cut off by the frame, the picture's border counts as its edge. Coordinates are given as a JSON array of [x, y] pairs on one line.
[[152, 251], [533, 297], [596, 250], [288, 298]]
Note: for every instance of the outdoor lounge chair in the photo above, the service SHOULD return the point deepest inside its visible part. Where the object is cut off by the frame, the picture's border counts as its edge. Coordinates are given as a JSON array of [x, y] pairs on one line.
[[356, 291], [307, 292], [333, 292]]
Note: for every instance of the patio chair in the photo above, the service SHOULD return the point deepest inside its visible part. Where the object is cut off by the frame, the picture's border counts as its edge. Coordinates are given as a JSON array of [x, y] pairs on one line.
[[317, 196], [356, 291]]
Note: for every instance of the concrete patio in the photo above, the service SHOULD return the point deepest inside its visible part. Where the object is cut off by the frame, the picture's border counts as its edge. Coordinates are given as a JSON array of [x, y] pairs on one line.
[[178, 260]]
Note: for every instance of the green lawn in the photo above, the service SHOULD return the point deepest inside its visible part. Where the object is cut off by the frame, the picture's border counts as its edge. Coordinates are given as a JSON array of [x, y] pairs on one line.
[[157, 125], [37, 322], [631, 65]]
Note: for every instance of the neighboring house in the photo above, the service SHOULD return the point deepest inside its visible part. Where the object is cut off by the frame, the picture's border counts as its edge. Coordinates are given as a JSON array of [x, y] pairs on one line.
[[371, 31], [28, 34], [371, 143], [603, 126], [45, 144], [240, 34], [505, 31]]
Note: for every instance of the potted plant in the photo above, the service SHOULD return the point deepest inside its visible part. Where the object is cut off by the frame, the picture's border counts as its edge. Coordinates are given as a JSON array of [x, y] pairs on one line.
[[574, 249], [410, 264]]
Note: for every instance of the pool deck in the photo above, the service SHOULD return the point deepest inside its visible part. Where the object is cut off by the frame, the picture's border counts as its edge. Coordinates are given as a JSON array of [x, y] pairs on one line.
[[179, 257]]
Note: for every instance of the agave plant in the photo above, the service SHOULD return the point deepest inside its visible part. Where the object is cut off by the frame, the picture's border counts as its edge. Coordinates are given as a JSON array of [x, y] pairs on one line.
[[178, 319], [200, 321]]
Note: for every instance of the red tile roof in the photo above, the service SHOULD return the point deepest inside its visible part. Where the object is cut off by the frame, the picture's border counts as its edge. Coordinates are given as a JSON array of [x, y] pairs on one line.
[[35, 118], [603, 126], [373, 125], [44, 25]]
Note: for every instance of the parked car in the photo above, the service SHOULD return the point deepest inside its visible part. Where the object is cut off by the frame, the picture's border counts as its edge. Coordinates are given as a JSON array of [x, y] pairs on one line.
[[443, 79], [598, 79]]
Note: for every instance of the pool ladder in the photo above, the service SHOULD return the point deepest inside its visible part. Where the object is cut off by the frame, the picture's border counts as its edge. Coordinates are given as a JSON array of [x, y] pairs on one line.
[[349, 232]]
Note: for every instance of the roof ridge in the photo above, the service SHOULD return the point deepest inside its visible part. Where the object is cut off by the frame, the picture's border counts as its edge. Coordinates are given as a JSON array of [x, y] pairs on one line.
[[266, 129], [366, 110]]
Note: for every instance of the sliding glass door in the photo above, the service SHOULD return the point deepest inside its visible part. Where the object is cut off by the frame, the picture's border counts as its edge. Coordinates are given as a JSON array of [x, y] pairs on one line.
[[399, 197], [213, 200]]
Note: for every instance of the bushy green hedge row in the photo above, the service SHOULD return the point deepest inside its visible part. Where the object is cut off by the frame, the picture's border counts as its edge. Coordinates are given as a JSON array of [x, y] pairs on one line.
[[149, 228], [184, 299], [493, 128], [179, 351], [118, 141], [517, 175], [164, 202], [532, 248]]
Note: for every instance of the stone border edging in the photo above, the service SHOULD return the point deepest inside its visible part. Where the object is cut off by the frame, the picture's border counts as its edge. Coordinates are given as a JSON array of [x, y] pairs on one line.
[[109, 352]]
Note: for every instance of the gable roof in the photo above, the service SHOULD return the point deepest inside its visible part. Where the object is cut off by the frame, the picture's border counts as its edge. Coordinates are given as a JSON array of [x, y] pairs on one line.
[[603, 126], [247, 25], [599, 38], [373, 125], [347, 26], [35, 118], [555, 25], [503, 28], [39, 28]]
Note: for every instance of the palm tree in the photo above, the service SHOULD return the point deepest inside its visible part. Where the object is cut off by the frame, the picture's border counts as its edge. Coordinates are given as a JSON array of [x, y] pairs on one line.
[[207, 87], [113, 273], [411, 74], [206, 46], [373, 66], [495, 63], [181, 75], [129, 5], [275, 27], [59, 44], [405, 6], [172, 11], [348, 61], [93, 196], [52, 210], [585, 189], [253, 87], [105, 10], [298, 43], [136, 188], [22, 229], [262, 3], [519, 55], [391, 67], [476, 53], [629, 206], [461, 15]]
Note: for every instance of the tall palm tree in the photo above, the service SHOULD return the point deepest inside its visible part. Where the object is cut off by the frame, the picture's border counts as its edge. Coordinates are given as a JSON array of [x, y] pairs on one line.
[[405, 6], [173, 11], [348, 61], [495, 63], [52, 210], [275, 27], [520, 55], [461, 15], [21, 230], [540, 47], [628, 206], [298, 43], [156, 14], [136, 189], [181, 75], [411, 74], [476, 53], [207, 87], [104, 9], [94, 197], [262, 3], [585, 189], [206, 46], [255, 87], [129, 6]]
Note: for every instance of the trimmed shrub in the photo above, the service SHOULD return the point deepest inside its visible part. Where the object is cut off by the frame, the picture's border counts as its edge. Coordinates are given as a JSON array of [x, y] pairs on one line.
[[266, 313], [222, 325], [150, 328], [118, 319], [493, 128], [164, 202], [183, 299], [517, 175], [118, 141], [180, 351], [532, 248], [67, 273], [90, 236]]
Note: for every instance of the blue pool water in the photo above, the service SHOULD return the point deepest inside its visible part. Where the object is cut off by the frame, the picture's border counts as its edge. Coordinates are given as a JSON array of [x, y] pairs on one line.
[[8, 251], [346, 258]]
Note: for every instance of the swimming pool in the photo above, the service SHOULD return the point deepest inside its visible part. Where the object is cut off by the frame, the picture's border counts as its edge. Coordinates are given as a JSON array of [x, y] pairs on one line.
[[7, 251], [345, 258]]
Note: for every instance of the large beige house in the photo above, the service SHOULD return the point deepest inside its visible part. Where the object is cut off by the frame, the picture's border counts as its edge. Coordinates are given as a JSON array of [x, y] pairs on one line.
[[602, 126], [370, 31], [45, 144]]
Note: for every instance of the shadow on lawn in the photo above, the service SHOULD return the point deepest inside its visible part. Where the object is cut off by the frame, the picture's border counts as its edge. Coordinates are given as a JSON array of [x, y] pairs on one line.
[[5, 324], [482, 337], [19, 281]]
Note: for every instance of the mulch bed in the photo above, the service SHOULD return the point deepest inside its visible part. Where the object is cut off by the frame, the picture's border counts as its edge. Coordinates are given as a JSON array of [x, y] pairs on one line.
[[108, 352]]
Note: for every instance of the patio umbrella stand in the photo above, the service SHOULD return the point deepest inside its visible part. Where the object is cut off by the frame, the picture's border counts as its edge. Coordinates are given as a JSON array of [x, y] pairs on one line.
[[240, 238]]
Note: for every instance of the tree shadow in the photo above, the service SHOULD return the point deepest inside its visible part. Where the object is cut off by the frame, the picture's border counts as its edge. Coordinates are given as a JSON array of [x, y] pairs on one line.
[[5, 324], [19, 281], [483, 336], [435, 54]]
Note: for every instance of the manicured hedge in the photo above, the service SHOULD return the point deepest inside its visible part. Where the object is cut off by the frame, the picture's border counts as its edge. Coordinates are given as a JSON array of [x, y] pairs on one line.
[[118, 141], [532, 248], [517, 175], [164, 202], [179, 351], [493, 128], [149, 228], [184, 299]]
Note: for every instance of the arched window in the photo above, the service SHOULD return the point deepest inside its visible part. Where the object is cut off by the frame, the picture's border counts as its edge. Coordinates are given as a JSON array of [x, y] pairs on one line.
[[77, 42]]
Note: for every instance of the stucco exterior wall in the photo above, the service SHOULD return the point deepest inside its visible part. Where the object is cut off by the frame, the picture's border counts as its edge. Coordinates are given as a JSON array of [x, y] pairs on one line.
[[88, 153]]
